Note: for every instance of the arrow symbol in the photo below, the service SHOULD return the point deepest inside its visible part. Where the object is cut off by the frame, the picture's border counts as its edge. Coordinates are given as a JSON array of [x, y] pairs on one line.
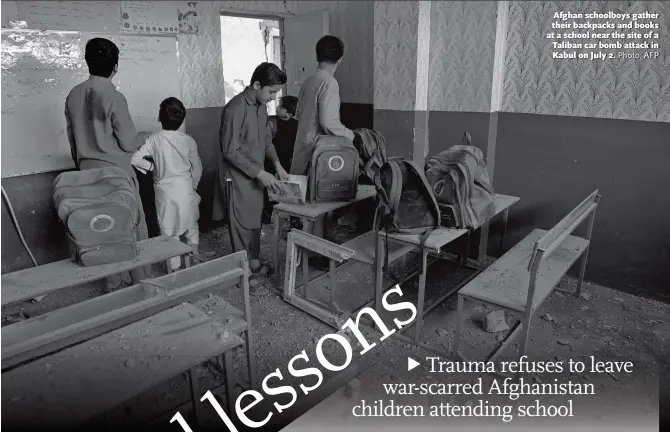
[[411, 363]]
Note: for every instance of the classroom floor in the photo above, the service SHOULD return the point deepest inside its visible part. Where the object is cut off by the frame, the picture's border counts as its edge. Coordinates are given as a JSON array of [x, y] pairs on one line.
[[603, 323]]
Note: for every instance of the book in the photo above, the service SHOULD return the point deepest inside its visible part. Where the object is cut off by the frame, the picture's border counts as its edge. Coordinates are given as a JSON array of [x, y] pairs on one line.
[[291, 191]]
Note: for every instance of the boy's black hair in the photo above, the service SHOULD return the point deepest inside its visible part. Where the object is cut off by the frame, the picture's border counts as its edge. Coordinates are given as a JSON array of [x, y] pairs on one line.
[[289, 103], [172, 113], [268, 74], [329, 49], [101, 56]]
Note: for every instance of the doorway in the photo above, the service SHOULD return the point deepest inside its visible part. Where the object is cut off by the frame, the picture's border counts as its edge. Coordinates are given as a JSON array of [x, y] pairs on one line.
[[247, 42]]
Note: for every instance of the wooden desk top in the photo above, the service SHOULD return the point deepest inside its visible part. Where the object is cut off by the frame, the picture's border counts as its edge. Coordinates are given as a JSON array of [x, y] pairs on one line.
[[86, 380], [36, 281], [443, 236], [313, 211]]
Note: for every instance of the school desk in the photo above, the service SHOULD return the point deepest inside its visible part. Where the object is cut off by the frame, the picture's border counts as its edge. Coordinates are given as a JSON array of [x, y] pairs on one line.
[[309, 213]]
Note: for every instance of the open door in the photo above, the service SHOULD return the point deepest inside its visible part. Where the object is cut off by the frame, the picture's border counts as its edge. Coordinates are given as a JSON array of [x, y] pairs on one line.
[[301, 33]]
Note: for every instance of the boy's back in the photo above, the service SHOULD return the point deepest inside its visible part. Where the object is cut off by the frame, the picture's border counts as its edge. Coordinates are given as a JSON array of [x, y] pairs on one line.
[[100, 129], [175, 154], [319, 114]]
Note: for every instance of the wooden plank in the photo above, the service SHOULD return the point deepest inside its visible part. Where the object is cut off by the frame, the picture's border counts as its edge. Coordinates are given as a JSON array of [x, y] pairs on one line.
[[443, 236], [231, 317], [89, 379], [323, 247], [505, 282], [364, 246], [37, 281], [63, 327], [313, 211]]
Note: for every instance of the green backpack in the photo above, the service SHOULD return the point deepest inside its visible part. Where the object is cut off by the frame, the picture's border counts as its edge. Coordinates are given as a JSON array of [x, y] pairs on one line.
[[100, 212]]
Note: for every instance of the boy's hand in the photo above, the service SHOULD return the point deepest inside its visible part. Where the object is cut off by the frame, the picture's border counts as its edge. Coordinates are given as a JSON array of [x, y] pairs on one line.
[[281, 172], [267, 180]]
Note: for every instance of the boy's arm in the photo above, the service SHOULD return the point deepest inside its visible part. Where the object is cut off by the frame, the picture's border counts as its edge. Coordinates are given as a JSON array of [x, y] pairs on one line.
[[196, 164], [123, 125], [270, 150], [138, 161], [70, 136], [231, 148], [329, 111]]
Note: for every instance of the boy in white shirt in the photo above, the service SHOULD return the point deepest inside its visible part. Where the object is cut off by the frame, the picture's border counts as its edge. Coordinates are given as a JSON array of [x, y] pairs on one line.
[[176, 169]]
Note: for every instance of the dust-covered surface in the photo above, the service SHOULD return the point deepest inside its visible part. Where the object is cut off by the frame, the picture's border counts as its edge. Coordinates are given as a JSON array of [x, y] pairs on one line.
[[602, 322]]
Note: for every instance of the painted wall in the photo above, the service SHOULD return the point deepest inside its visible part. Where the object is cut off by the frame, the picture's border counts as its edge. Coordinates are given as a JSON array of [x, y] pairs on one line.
[[462, 37], [201, 81], [566, 128], [631, 89], [201, 68], [571, 127]]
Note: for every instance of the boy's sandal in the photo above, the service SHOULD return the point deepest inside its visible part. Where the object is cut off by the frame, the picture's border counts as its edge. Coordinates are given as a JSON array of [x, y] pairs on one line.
[[198, 259], [261, 270]]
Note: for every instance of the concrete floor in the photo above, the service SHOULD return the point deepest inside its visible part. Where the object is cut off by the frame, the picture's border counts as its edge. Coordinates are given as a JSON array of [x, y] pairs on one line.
[[602, 323]]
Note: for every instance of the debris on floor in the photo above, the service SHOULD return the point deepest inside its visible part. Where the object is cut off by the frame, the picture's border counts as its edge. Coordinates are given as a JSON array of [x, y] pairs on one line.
[[495, 322]]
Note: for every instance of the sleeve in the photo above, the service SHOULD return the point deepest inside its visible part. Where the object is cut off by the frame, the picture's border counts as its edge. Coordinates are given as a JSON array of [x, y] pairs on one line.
[[138, 161], [70, 136], [329, 111], [231, 148], [270, 151], [123, 125], [196, 164]]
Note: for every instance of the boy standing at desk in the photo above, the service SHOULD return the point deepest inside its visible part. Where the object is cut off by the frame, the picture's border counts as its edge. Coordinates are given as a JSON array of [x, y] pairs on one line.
[[176, 171], [100, 130], [246, 141], [318, 113]]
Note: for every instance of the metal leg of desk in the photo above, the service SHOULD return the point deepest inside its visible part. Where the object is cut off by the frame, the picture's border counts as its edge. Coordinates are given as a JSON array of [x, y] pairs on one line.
[[379, 276], [306, 227], [195, 394], [275, 246], [422, 296], [504, 231], [227, 366]]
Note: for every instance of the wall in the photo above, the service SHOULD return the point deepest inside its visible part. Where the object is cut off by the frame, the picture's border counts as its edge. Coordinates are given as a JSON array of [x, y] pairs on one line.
[[568, 128], [462, 36], [201, 81], [565, 128]]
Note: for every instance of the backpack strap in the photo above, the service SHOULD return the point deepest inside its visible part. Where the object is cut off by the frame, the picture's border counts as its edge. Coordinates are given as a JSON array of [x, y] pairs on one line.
[[467, 139], [394, 200], [427, 186], [396, 185]]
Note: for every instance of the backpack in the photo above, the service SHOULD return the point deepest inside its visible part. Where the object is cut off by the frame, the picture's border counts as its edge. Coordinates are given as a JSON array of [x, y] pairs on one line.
[[333, 170], [100, 212], [406, 201], [461, 185], [372, 152]]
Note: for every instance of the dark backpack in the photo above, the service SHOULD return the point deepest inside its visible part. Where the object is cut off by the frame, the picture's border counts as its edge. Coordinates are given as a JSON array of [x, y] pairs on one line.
[[406, 202], [460, 182], [371, 148], [100, 212]]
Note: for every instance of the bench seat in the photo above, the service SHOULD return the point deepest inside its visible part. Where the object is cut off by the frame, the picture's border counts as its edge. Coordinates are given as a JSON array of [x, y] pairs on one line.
[[92, 378], [505, 282], [366, 247], [45, 279]]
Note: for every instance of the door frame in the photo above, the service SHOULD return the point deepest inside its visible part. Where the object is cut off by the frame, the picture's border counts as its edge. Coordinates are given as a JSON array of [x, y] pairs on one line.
[[268, 16]]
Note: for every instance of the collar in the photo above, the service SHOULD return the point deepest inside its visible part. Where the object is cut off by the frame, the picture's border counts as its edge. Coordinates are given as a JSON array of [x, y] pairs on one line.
[[102, 80], [248, 97]]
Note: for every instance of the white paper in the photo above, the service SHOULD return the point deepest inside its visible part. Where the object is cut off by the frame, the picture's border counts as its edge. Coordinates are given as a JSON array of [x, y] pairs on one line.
[[293, 191]]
